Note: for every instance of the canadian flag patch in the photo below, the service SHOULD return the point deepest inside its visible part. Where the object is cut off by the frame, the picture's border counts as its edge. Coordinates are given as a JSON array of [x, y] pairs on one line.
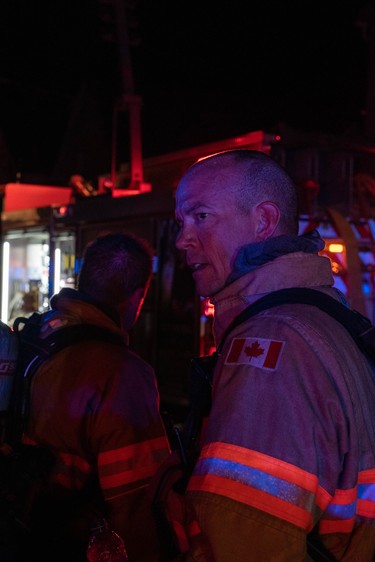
[[257, 352]]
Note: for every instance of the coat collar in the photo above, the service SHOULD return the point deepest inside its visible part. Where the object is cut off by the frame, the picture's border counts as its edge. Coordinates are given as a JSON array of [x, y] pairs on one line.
[[296, 269]]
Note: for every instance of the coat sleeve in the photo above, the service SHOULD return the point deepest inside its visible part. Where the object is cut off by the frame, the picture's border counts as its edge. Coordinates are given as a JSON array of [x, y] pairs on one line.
[[131, 443]]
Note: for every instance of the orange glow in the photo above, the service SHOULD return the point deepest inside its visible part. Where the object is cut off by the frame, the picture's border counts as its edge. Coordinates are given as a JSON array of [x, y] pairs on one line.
[[336, 267], [63, 210], [336, 248], [208, 308]]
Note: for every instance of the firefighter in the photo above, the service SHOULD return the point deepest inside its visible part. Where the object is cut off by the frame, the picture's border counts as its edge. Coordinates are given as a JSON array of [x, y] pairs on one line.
[[289, 443], [95, 405]]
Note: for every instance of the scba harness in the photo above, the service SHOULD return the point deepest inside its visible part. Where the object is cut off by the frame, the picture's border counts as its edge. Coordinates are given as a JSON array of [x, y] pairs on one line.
[[25, 469]]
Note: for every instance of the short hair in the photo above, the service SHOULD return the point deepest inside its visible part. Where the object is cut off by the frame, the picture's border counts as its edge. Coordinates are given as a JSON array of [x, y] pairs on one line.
[[262, 179], [114, 266]]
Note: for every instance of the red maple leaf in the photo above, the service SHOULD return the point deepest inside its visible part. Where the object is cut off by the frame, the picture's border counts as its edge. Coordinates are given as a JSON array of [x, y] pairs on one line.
[[254, 350]]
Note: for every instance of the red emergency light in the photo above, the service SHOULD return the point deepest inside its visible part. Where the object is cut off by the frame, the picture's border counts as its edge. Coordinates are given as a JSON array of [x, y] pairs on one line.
[[20, 196]]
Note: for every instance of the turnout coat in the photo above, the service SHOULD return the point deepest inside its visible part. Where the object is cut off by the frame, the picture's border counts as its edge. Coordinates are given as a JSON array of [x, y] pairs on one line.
[[95, 405], [289, 443]]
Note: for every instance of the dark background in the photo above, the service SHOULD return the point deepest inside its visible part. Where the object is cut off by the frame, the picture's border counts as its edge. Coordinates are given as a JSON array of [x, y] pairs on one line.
[[205, 71]]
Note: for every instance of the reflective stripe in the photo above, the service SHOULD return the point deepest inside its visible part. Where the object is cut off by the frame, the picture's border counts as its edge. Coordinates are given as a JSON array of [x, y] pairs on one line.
[[346, 505], [327, 526], [71, 471], [367, 477], [118, 468], [259, 461], [339, 516], [366, 508], [131, 451], [253, 497], [74, 461], [264, 482], [257, 479], [281, 489], [346, 511], [366, 494], [131, 464]]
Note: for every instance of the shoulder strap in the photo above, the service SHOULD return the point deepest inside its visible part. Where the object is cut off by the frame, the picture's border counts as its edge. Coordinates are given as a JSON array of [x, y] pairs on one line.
[[359, 327], [33, 351], [76, 333]]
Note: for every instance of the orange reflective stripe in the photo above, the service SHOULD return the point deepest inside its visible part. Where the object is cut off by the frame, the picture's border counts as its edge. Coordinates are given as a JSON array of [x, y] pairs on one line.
[[366, 476], [131, 452], [271, 466], [281, 489], [253, 497], [71, 471], [344, 497], [128, 476], [260, 461], [274, 486], [74, 461], [366, 494], [327, 526], [131, 464], [339, 516], [346, 504], [366, 508]]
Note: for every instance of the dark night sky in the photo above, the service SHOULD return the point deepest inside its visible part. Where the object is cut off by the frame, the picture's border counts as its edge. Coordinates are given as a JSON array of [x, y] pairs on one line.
[[205, 71]]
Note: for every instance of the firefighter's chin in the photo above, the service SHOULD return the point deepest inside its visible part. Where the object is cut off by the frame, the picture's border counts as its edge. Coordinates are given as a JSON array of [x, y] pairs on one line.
[[205, 284]]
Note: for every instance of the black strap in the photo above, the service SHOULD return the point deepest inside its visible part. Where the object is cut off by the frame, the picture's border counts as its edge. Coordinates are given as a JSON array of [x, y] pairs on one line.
[[63, 337], [36, 351], [70, 335], [359, 327]]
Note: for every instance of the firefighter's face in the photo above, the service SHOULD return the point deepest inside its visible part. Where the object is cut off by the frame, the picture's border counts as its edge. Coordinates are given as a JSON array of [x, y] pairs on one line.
[[212, 227]]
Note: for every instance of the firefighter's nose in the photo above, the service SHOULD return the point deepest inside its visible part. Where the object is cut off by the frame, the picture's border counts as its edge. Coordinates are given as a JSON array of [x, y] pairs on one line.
[[184, 238]]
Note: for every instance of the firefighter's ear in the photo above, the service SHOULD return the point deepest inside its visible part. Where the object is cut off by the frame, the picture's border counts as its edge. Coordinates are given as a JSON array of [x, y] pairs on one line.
[[130, 308], [267, 216]]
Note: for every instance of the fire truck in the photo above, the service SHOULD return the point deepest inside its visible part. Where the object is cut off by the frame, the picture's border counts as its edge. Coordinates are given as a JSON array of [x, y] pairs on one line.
[[44, 230]]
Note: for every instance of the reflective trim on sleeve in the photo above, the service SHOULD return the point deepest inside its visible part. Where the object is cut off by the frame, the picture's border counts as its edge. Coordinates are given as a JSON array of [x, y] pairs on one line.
[[266, 483], [339, 517], [366, 493], [71, 471], [131, 464], [329, 526], [347, 506], [281, 489]]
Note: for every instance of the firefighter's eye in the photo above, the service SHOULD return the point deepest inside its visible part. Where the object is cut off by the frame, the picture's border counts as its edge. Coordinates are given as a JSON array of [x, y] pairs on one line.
[[202, 216]]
